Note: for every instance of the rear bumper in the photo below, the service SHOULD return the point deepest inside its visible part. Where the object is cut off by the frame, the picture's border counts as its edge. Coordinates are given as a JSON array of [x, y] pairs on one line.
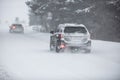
[[87, 44], [17, 30]]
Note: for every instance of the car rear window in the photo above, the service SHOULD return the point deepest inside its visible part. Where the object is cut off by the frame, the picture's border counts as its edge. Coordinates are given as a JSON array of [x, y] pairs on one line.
[[74, 29], [17, 24]]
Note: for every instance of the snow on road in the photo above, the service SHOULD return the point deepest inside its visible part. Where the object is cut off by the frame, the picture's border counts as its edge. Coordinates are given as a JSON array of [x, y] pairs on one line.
[[27, 57]]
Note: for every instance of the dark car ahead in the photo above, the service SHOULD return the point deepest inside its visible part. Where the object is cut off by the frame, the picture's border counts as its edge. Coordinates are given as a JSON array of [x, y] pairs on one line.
[[16, 28]]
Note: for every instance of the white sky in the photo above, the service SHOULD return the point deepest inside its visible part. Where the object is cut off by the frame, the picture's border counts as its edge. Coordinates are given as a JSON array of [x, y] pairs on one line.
[[10, 9]]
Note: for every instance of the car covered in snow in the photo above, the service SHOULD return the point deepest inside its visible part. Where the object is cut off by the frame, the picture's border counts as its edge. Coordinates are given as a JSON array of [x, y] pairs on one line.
[[75, 37], [16, 28]]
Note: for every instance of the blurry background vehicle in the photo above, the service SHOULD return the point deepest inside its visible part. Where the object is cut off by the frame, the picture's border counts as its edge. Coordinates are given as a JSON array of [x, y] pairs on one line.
[[16, 28]]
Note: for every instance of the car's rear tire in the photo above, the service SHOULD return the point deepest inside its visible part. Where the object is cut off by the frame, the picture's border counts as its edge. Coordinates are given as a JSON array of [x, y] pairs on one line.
[[57, 49], [88, 51], [88, 48], [51, 47], [10, 31], [22, 32]]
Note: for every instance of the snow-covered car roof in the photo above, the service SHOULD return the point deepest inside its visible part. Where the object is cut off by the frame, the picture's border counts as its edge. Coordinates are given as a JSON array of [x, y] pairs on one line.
[[71, 24]]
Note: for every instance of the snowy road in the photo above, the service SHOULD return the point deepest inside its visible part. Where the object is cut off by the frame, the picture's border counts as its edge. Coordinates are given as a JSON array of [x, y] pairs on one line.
[[27, 57]]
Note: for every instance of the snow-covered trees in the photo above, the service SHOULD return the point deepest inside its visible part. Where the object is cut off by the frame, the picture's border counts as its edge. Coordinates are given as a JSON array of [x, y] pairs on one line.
[[62, 10], [100, 16]]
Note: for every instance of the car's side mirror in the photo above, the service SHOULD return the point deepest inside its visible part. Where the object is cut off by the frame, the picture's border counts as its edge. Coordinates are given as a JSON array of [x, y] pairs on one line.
[[52, 32]]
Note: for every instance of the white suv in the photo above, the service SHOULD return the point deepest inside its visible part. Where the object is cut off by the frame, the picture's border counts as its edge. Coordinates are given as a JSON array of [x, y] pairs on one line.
[[73, 36]]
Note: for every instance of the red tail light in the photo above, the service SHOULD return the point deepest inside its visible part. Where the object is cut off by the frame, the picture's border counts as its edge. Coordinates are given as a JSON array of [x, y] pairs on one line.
[[13, 27], [62, 46]]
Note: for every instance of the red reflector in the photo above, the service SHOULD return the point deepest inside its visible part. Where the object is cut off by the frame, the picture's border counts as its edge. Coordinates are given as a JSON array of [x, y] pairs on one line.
[[13, 27], [62, 46]]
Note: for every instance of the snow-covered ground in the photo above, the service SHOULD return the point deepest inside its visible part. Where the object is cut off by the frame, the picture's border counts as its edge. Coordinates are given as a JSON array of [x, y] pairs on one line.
[[27, 57]]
